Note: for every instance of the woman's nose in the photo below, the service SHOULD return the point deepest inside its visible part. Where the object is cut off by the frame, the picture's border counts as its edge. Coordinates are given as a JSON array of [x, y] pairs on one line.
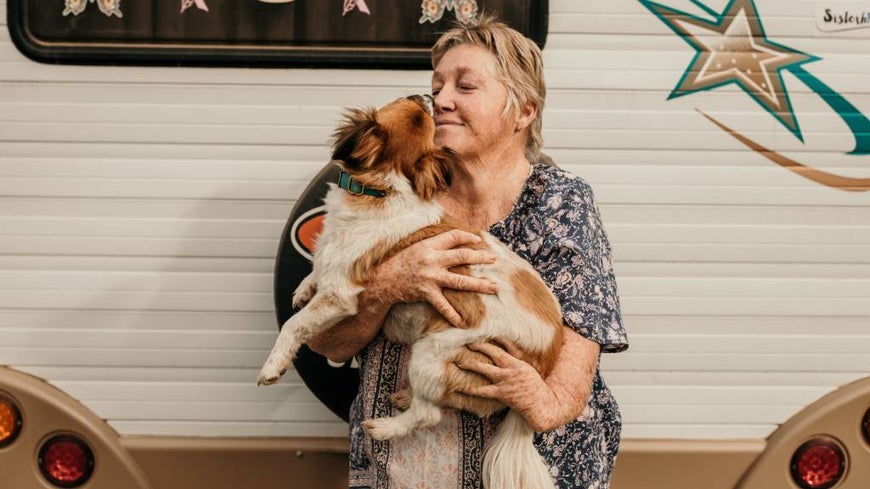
[[442, 101]]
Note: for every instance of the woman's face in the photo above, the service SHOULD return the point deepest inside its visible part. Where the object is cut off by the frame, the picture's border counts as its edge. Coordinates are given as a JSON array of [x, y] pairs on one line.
[[469, 103]]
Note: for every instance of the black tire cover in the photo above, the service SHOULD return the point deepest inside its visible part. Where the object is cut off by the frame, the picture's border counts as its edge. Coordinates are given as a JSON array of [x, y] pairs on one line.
[[335, 387]]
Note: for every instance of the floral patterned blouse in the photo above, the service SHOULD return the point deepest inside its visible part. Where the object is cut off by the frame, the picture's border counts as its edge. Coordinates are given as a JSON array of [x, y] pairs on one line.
[[556, 227]]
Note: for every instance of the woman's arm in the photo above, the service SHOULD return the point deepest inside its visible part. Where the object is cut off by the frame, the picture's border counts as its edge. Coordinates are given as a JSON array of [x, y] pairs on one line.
[[417, 273], [545, 404], [341, 342]]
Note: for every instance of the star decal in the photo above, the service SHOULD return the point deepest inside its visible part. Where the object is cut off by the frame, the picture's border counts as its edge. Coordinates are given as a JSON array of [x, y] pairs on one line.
[[733, 48]]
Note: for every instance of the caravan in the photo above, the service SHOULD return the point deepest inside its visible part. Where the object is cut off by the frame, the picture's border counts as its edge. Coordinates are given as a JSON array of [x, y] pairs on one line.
[[142, 208]]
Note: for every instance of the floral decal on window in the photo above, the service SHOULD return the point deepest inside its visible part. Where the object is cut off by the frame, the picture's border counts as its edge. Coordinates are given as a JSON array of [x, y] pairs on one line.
[[200, 4], [433, 10], [348, 5], [355, 4], [108, 7]]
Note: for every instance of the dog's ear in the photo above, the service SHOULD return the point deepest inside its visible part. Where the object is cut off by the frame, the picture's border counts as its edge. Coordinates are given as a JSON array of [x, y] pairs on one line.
[[359, 141], [432, 173]]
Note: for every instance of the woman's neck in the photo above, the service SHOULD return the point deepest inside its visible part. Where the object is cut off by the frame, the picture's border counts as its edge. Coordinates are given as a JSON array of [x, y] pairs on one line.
[[483, 192]]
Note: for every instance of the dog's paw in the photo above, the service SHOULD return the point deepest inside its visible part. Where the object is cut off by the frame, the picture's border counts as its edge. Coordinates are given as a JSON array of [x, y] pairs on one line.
[[382, 428], [302, 298], [272, 371], [304, 293], [401, 399]]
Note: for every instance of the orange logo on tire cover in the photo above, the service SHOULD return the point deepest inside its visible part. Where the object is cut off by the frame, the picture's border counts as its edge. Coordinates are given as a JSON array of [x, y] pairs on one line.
[[306, 229]]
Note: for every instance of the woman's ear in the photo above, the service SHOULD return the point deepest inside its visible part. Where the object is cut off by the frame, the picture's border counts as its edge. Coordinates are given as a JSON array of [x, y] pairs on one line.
[[525, 117]]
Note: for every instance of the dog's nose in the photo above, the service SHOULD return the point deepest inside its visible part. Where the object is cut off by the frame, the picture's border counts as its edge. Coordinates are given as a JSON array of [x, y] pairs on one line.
[[429, 103], [426, 101]]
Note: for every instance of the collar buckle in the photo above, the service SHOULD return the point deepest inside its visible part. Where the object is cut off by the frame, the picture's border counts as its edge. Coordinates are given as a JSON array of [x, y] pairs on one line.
[[353, 187], [356, 188]]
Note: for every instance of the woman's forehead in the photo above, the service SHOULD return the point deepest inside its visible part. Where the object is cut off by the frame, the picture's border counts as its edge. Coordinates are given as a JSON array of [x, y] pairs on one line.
[[465, 60], [458, 72]]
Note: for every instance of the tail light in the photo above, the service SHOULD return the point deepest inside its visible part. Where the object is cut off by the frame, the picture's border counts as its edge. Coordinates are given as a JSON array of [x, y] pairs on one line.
[[10, 421], [818, 464], [66, 461]]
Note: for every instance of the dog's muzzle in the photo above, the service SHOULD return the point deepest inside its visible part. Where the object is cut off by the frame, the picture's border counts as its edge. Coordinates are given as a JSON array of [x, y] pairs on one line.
[[426, 101]]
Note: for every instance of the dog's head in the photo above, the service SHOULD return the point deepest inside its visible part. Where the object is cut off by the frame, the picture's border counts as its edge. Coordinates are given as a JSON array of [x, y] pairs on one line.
[[398, 139]]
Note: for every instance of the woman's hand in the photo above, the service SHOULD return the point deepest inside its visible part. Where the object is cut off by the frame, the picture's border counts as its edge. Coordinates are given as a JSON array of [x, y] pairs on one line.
[[422, 270], [545, 404], [416, 273], [514, 382]]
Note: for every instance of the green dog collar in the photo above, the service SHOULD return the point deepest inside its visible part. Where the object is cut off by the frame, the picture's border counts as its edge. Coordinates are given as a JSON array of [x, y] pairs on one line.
[[348, 183]]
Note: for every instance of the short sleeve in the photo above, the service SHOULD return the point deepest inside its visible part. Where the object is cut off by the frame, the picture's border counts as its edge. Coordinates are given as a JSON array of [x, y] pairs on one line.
[[575, 261]]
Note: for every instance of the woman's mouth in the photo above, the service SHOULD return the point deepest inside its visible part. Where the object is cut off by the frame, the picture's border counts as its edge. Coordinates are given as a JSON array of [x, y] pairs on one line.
[[446, 122]]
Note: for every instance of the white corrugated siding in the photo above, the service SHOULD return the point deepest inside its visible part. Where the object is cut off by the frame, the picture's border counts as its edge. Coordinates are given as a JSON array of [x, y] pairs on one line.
[[140, 212]]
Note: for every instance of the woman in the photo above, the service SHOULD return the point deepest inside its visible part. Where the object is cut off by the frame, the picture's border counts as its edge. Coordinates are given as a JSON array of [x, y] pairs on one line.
[[489, 92]]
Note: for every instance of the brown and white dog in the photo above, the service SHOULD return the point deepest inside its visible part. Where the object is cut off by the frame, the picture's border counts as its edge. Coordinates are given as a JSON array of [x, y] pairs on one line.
[[391, 153]]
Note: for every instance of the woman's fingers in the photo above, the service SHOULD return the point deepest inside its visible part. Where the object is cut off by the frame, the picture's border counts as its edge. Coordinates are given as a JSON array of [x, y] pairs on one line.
[[420, 271], [454, 238], [503, 364], [509, 346], [468, 283], [455, 251], [488, 370], [443, 306], [465, 256], [446, 259], [513, 381], [498, 355]]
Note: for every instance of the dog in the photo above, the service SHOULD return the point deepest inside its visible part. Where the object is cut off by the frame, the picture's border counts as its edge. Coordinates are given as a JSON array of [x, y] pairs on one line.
[[385, 201]]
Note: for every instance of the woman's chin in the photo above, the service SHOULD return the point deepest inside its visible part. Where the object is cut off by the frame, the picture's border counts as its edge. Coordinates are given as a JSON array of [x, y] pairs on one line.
[[453, 145], [442, 139], [448, 139]]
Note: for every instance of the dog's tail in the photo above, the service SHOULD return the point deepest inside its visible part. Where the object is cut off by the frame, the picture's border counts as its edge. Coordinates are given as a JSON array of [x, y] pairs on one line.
[[511, 461]]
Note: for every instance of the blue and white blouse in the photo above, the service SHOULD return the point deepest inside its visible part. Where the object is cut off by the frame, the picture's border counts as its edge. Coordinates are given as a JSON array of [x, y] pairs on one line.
[[555, 226]]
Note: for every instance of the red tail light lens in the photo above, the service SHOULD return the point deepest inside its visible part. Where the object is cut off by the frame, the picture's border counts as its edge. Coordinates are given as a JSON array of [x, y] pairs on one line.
[[66, 461], [818, 464], [10, 421]]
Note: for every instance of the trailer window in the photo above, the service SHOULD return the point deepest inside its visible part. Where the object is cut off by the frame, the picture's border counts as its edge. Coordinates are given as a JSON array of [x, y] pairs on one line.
[[281, 33]]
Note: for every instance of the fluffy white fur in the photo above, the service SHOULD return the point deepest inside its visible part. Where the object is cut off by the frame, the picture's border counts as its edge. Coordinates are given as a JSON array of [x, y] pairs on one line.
[[349, 232]]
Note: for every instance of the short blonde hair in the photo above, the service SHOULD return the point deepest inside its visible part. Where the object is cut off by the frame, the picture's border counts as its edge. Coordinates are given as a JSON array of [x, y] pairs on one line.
[[519, 67]]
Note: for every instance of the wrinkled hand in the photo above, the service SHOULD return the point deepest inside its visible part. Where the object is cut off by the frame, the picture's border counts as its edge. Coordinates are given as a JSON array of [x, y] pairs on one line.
[[420, 271], [514, 382]]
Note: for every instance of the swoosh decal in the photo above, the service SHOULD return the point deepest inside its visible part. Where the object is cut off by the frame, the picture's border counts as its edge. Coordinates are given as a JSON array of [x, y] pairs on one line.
[[857, 122], [818, 176]]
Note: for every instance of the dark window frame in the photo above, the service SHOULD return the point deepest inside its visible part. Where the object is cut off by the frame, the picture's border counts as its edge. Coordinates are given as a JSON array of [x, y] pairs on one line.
[[247, 54]]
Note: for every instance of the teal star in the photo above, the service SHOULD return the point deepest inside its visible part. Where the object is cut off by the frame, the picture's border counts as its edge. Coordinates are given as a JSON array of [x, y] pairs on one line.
[[733, 48]]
